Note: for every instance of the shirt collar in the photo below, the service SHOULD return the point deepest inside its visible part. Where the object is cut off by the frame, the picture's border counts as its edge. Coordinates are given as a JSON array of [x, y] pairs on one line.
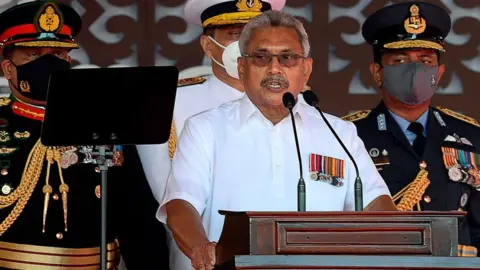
[[248, 109], [404, 124]]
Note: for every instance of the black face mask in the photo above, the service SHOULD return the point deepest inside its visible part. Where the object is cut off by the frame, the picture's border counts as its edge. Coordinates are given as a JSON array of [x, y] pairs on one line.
[[33, 76]]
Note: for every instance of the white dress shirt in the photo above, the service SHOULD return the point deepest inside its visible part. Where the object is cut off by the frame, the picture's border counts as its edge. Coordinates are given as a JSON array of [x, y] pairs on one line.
[[233, 158], [156, 163]]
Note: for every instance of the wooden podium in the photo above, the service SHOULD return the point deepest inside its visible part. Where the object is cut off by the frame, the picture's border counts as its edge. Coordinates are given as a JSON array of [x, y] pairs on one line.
[[341, 240]]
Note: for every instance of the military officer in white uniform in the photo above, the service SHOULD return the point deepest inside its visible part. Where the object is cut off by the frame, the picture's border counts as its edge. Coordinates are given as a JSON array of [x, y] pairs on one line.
[[194, 95]]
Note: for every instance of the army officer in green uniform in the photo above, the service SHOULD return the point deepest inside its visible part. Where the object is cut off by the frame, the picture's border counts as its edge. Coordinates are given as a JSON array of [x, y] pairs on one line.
[[429, 157], [50, 197]]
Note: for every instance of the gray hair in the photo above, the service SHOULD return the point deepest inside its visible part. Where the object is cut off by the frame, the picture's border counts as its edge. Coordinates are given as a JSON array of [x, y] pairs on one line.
[[273, 18]]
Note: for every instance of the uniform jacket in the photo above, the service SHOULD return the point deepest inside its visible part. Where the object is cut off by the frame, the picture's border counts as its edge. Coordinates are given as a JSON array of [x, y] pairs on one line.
[[131, 212], [399, 164]]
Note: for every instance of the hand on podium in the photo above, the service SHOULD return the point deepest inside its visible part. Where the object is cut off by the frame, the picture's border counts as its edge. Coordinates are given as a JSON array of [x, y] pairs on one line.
[[203, 256]]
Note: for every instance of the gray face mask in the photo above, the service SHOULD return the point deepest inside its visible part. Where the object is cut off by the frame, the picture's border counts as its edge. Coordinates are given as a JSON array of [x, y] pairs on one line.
[[411, 83]]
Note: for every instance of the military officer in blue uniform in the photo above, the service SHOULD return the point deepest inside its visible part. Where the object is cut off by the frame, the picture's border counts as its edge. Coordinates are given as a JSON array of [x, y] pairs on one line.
[[50, 207], [428, 156]]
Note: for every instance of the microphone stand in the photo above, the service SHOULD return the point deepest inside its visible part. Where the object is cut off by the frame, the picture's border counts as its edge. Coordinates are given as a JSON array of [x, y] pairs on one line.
[[358, 182], [301, 198], [289, 101]]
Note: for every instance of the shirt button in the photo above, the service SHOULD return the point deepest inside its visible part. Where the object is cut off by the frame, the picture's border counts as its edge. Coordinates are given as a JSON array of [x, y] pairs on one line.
[[427, 199]]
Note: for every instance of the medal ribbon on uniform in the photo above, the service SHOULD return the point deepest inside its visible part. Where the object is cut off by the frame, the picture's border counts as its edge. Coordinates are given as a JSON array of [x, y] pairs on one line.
[[327, 168], [462, 166]]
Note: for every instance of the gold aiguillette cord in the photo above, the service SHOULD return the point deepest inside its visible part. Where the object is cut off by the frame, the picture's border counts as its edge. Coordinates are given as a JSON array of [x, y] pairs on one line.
[[47, 189], [63, 188], [53, 155]]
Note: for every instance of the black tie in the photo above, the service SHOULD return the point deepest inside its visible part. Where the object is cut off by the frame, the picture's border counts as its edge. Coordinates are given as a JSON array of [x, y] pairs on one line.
[[419, 143]]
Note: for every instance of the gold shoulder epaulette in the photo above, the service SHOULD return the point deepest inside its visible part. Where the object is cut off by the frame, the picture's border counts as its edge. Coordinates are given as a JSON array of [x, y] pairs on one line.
[[190, 81], [4, 101], [356, 115], [459, 116]]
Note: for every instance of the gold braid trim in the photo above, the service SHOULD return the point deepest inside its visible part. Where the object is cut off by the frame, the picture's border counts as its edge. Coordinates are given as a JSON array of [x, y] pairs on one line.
[[459, 116], [6, 201], [31, 174], [356, 116], [405, 44], [413, 192], [172, 141]]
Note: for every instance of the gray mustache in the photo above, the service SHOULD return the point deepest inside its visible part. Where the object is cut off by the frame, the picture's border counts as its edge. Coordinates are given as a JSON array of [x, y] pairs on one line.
[[275, 79]]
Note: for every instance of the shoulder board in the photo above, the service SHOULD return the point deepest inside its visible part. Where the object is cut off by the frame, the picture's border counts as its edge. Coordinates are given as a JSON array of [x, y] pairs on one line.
[[356, 115], [458, 116], [190, 81], [4, 101]]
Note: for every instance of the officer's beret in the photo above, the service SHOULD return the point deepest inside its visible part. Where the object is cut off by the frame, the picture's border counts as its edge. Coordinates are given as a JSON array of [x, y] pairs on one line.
[[39, 24], [226, 12], [407, 25]]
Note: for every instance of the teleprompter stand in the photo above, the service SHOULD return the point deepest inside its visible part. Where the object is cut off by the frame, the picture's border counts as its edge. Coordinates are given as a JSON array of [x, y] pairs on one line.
[[107, 108]]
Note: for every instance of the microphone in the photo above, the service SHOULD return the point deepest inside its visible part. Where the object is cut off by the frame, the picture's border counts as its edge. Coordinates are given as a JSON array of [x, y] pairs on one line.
[[312, 100], [289, 101]]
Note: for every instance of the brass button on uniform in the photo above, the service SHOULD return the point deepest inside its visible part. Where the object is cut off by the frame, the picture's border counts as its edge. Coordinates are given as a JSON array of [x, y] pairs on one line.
[[59, 236], [55, 197], [6, 189], [427, 199], [4, 172]]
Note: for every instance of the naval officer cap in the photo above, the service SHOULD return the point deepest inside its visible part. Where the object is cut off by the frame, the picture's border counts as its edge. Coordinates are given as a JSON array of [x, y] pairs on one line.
[[211, 13], [407, 25], [39, 24]]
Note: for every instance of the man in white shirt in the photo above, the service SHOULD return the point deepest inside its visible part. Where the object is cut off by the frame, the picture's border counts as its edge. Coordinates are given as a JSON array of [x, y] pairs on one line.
[[241, 156], [222, 21]]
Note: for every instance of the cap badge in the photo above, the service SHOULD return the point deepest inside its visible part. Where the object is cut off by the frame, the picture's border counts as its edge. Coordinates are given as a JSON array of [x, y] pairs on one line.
[[249, 5], [49, 19], [415, 24]]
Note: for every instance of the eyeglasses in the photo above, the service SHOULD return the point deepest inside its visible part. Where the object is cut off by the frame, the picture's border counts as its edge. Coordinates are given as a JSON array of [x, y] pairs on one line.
[[262, 59]]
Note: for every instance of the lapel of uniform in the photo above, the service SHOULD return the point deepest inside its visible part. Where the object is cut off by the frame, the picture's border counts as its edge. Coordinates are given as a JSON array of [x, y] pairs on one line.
[[436, 133], [398, 137]]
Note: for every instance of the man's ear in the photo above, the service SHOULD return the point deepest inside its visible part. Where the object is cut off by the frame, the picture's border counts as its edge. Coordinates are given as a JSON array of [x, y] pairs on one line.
[[375, 69], [308, 66], [441, 70], [240, 67], [7, 67], [206, 44]]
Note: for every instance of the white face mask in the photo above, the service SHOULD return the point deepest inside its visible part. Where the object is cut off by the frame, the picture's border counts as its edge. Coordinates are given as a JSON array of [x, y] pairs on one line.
[[229, 57]]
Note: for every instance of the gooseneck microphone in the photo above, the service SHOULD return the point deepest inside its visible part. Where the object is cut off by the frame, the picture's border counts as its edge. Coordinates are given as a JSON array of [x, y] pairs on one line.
[[289, 101], [312, 100]]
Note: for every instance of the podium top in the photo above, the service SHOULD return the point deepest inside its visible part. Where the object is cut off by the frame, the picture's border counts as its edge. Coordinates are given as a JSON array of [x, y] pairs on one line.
[[110, 106], [293, 214]]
